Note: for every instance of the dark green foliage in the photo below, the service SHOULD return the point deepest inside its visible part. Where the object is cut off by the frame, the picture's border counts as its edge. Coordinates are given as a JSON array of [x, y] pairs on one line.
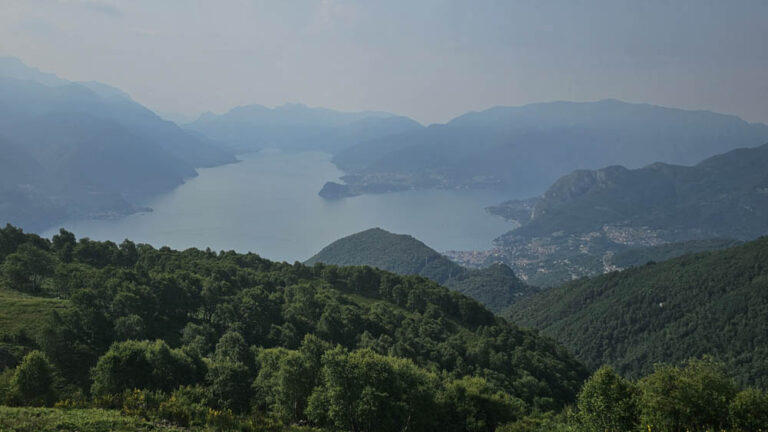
[[694, 397], [129, 327], [496, 286], [710, 303], [363, 392], [697, 396], [608, 403], [398, 253], [258, 335], [473, 404], [749, 411], [637, 257], [25, 269], [231, 372], [64, 244], [230, 385], [33, 381], [143, 365]]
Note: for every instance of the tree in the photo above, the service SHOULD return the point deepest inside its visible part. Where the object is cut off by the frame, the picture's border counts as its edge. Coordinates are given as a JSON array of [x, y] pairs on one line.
[[33, 381], [362, 391], [230, 384], [473, 404], [64, 244], [694, 397], [286, 378], [27, 268], [608, 403], [232, 348], [230, 373], [749, 411], [129, 327], [143, 365]]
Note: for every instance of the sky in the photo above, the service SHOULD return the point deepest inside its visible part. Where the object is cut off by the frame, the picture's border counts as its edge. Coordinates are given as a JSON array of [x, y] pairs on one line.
[[428, 59]]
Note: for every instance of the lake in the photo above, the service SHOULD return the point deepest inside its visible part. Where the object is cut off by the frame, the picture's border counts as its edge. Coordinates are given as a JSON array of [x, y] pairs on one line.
[[268, 204]]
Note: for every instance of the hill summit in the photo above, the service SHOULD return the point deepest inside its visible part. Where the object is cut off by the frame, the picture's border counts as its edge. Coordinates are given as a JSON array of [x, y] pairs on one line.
[[496, 286]]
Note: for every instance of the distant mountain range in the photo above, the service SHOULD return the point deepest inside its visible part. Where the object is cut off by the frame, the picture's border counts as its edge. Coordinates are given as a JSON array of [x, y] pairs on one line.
[[589, 216], [524, 149], [496, 286], [85, 149], [298, 127], [712, 303]]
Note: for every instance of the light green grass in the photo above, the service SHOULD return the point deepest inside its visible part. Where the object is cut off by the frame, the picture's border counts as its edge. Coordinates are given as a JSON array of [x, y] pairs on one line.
[[81, 420], [22, 312]]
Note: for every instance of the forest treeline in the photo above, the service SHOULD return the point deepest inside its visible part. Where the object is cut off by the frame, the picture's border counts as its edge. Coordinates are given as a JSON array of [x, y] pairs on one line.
[[350, 348], [209, 340], [710, 303]]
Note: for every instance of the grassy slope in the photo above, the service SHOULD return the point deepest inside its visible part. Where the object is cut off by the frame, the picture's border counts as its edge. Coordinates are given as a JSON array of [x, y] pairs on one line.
[[80, 420], [20, 312]]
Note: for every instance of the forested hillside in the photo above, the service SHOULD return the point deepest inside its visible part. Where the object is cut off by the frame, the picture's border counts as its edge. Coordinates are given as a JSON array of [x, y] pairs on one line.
[[85, 150], [588, 216], [525, 149], [713, 303], [236, 334], [496, 286]]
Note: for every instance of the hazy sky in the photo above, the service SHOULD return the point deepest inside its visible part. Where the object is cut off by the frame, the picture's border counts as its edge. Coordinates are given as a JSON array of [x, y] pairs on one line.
[[427, 59]]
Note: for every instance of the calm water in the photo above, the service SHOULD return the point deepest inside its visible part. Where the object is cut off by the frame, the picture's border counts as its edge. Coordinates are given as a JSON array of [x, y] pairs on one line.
[[268, 204]]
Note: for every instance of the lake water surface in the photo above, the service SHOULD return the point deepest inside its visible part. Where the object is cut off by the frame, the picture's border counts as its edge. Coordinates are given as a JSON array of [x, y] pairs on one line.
[[268, 204]]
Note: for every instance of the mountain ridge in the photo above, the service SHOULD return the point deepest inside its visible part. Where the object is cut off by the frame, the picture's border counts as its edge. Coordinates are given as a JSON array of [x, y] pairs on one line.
[[96, 152], [297, 127], [525, 149], [589, 215]]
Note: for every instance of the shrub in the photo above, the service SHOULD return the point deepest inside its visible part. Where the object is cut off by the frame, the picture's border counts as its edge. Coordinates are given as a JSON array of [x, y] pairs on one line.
[[6, 396], [187, 406], [141, 403], [221, 419]]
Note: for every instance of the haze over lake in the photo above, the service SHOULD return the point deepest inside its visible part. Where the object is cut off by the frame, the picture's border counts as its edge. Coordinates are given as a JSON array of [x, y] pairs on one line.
[[268, 204]]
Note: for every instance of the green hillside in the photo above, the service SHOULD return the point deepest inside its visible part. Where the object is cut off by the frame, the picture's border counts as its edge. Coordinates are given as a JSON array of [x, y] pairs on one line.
[[636, 257], [495, 286], [398, 253], [25, 313], [585, 218], [237, 334], [713, 303]]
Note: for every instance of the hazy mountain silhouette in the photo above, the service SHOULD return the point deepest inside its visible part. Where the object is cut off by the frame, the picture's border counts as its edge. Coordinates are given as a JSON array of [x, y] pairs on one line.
[[298, 127], [85, 149], [524, 149]]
